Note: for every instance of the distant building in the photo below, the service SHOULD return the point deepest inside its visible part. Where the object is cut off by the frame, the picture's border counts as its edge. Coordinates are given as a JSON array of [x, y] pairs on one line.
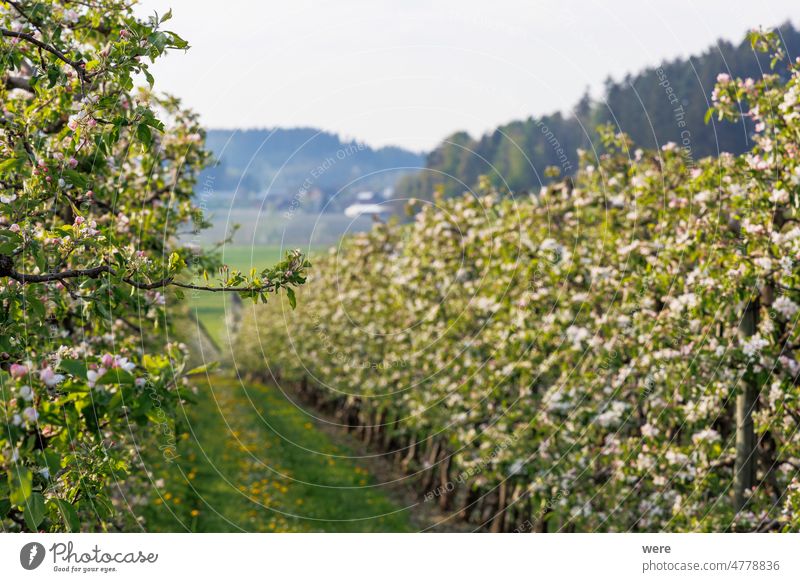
[[356, 210]]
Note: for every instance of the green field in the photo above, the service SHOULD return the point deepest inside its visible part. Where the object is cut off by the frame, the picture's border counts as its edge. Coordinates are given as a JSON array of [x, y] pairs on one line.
[[211, 308], [252, 461]]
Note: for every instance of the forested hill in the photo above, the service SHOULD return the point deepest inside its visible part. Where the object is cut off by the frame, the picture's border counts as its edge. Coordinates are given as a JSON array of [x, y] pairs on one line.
[[285, 160], [664, 103]]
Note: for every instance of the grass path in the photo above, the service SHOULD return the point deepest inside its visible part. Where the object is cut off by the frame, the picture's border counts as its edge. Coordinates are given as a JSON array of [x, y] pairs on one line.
[[251, 461]]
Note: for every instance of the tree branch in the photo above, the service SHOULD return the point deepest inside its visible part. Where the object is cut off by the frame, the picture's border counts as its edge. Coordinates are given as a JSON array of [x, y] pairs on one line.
[[24, 278], [7, 270], [77, 65], [18, 83], [222, 289]]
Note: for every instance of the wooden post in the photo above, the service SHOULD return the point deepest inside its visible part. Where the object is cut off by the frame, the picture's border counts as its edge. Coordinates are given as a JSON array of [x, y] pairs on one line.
[[744, 467], [499, 518]]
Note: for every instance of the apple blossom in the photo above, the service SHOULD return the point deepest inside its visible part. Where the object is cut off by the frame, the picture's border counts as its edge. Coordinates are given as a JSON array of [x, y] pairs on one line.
[[18, 370]]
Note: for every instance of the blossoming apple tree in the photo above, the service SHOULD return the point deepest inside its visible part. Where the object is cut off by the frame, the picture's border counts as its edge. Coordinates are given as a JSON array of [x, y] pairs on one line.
[[96, 182], [618, 352]]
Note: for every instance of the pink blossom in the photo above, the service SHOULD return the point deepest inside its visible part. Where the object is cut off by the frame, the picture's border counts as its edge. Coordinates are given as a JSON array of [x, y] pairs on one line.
[[49, 377], [73, 163], [94, 375], [107, 360], [18, 370], [124, 364], [14, 227]]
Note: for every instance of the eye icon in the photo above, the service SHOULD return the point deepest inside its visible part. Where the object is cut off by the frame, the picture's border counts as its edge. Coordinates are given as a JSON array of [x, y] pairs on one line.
[[31, 555]]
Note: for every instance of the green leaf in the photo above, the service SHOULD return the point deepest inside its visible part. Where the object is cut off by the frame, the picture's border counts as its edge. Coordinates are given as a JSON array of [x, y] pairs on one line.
[[292, 299], [203, 369], [10, 164], [35, 306], [76, 178], [34, 511], [9, 241], [76, 368], [177, 41], [144, 135], [5, 506], [6, 234], [68, 515], [155, 364], [52, 460], [20, 483], [53, 75], [116, 376]]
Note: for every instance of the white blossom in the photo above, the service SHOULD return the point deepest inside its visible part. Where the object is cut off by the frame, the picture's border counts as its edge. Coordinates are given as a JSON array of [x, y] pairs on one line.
[[785, 307]]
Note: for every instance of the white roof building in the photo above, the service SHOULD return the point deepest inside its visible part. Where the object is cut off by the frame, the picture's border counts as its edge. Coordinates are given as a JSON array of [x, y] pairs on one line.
[[355, 210]]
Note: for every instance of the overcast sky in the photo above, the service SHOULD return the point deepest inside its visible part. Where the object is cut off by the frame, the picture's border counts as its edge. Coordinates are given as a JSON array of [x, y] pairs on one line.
[[410, 72]]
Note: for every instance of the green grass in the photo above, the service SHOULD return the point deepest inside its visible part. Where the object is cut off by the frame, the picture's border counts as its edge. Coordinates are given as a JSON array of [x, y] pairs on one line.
[[211, 308], [251, 461]]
